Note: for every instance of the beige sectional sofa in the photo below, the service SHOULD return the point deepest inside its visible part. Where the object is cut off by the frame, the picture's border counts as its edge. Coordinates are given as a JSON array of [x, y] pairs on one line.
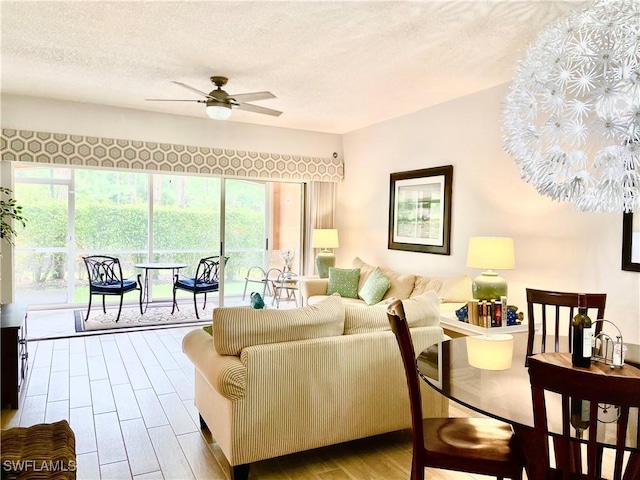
[[273, 382], [453, 291]]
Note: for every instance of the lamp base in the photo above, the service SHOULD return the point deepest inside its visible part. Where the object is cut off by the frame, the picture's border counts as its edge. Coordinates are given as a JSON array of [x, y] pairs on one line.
[[489, 286], [324, 260]]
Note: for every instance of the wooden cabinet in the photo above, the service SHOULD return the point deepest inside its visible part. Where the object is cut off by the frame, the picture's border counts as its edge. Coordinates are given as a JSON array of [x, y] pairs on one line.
[[14, 355]]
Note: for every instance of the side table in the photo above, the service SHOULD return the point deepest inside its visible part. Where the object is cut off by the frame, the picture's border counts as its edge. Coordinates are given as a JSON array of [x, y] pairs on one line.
[[455, 328], [13, 362]]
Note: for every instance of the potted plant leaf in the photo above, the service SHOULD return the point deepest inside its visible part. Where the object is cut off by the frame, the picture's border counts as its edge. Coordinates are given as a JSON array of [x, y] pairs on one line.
[[10, 210]]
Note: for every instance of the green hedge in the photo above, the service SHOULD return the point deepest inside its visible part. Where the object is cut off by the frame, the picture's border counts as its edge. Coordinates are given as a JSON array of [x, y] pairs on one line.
[[108, 228]]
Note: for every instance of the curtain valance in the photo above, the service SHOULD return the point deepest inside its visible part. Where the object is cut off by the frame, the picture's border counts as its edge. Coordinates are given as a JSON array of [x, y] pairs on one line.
[[78, 150]]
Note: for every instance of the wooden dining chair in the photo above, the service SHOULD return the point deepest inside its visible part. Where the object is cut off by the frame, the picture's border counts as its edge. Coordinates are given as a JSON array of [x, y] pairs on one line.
[[559, 308], [599, 385], [474, 445]]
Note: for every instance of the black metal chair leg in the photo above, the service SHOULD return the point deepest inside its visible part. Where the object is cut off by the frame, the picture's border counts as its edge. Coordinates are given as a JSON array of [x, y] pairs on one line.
[[173, 306], [195, 305], [89, 307], [104, 304], [140, 283], [175, 303], [119, 309], [204, 306]]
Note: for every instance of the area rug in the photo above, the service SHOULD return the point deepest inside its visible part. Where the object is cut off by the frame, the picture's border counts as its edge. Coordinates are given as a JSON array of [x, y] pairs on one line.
[[130, 317]]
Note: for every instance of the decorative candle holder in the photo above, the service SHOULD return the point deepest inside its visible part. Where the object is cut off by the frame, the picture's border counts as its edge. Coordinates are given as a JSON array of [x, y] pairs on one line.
[[606, 349]]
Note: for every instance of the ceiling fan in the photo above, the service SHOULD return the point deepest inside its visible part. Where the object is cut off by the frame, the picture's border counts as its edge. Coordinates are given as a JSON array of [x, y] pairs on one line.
[[219, 103]]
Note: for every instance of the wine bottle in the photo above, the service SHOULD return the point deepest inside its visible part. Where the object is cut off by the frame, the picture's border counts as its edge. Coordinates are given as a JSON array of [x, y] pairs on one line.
[[579, 415], [581, 351]]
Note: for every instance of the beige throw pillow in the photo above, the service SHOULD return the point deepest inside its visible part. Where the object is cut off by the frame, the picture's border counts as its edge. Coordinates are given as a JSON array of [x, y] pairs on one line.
[[365, 271], [449, 289], [401, 285]]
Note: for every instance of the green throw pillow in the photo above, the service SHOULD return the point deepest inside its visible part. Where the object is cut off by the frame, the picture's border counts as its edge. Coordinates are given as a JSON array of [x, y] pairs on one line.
[[344, 281], [375, 287]]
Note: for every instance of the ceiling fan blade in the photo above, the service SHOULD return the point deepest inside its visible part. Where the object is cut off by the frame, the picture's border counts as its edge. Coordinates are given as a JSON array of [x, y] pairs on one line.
[[173, 100], [252, 97], [256, 109], [200, 92]]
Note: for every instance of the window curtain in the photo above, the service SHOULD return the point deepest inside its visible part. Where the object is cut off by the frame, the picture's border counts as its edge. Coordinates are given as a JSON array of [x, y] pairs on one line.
[[320, 213]]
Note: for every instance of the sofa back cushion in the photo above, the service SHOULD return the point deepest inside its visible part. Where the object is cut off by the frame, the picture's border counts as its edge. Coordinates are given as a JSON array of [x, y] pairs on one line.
[[449, 289], [421, 311], [401, 285], [235, 328]]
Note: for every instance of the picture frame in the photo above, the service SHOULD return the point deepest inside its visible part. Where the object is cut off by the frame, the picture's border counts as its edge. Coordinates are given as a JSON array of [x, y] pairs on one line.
[[631, 242], [420, 210]]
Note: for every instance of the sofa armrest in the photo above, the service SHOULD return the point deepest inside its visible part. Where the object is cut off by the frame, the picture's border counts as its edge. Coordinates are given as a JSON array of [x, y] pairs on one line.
[[310, 287], [225, 373]]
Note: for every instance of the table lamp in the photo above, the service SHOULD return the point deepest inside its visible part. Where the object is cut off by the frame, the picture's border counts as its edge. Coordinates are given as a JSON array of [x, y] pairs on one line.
[[325, 238], [490, 253]]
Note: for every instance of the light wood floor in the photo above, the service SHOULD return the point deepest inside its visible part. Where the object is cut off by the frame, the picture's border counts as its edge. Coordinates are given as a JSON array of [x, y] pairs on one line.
[[129, 400]]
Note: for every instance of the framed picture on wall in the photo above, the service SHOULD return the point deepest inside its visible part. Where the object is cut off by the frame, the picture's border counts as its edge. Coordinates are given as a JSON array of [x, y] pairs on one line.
[[631, 242], [420, 210]]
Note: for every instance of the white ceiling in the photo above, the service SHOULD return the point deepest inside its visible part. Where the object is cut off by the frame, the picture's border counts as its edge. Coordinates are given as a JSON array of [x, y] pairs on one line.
[[334, 66]]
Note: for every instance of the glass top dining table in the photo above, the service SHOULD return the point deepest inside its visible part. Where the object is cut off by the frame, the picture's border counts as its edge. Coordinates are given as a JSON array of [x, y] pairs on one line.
[[505, 394]]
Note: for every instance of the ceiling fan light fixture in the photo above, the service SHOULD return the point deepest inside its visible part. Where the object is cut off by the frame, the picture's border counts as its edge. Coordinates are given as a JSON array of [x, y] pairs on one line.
[[219, 112]]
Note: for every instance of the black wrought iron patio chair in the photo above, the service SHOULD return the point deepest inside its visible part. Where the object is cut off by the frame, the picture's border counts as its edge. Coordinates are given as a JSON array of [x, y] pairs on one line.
[[105, 278], [206, 280]]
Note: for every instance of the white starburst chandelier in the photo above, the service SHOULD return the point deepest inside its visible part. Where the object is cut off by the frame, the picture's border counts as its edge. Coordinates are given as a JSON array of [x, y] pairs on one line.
[[571, 118]]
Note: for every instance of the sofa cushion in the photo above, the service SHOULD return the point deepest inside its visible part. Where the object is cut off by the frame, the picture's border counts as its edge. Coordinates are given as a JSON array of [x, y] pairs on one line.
[[421, 311], [235, 328], [401, 284], [365, 271], [374, 288], [450, 289], [343, 281]]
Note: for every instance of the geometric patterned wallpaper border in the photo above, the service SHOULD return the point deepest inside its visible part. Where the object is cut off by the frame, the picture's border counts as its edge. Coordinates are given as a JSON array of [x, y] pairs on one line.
[[63, 149]]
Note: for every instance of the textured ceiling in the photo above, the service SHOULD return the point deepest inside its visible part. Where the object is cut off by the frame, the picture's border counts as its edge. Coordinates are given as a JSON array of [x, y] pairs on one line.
[[334, 66]]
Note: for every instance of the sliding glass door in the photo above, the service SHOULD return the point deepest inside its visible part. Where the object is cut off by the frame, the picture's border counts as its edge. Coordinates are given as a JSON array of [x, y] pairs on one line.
[[186, 228], [246, 206], [142, 217], [263, 225], [41, 274]]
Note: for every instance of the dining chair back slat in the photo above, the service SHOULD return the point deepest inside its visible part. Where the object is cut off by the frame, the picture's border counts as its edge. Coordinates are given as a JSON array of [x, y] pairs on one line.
[[561, 306], [598, 385]]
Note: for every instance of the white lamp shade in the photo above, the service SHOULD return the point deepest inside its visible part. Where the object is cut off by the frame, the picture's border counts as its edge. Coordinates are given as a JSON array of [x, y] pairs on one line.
[[218, 112], [494, 253], [490, 352], [325, 238]]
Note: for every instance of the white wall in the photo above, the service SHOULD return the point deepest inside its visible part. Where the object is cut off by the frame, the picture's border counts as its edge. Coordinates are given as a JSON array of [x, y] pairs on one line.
[[557, 247], [46, 115]]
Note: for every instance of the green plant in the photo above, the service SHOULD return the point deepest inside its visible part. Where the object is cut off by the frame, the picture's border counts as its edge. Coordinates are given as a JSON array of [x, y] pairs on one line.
[[10, 210]]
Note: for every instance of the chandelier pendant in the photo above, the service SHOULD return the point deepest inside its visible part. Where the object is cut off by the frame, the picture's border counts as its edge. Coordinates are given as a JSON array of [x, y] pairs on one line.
[[571, 119]]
